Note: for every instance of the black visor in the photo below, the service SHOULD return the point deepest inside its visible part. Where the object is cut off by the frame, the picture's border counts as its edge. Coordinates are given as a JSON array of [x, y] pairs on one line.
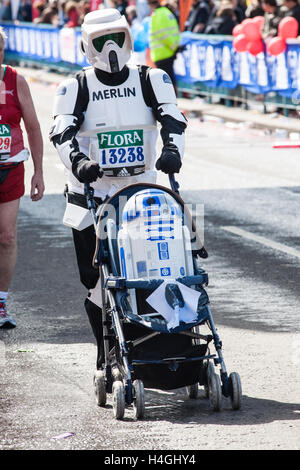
[[118, 38]]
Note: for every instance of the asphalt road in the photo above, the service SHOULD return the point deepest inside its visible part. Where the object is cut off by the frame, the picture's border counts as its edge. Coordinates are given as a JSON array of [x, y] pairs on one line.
[[247, 195]]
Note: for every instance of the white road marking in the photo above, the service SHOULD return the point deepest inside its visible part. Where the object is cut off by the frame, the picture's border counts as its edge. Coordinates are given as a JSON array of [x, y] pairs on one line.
[[264, 241]]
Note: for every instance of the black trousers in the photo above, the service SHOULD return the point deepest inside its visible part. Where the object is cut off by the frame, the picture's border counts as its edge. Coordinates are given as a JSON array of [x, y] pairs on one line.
[[84, 243]]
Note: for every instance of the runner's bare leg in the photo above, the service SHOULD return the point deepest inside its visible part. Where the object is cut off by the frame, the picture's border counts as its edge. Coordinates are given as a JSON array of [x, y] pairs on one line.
[[8, 241]]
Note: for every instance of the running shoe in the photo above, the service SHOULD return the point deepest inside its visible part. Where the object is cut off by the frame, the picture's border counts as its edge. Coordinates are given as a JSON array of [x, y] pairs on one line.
[[6, 321]]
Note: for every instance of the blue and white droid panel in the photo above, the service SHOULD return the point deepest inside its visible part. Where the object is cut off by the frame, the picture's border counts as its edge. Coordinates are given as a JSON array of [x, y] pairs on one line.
[[153, 242]]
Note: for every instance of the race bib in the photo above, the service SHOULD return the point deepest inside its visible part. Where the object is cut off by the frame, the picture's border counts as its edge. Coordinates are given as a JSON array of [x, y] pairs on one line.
[[5, 142], [121, 153]]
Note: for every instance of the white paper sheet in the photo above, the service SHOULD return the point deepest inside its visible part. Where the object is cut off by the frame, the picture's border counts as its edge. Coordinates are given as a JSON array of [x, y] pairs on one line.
[[187, 314]]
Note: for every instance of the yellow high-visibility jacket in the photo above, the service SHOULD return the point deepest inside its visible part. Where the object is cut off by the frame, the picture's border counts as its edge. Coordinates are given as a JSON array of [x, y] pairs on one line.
[[164, 34]]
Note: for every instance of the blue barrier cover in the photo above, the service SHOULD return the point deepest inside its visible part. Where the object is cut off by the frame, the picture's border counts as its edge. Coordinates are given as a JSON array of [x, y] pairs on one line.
[[211, 61], [44, 43], [214, 61]]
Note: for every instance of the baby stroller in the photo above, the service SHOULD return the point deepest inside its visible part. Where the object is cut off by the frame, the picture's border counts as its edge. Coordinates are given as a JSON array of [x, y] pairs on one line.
[[155, 303]]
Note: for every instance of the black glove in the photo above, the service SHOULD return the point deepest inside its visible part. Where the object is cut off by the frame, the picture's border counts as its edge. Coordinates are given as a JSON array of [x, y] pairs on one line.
[[85, 170], [169, 161]]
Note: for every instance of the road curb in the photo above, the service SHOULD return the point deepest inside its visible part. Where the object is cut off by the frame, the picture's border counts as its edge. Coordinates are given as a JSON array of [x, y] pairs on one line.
[[229, 114]]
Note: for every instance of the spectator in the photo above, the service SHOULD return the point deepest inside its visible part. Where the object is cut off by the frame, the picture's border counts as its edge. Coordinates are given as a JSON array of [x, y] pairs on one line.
[[142, 9], [49, 16], [163, 47], [239, 10], [5, 12], [131, 15], [139, 35], [198, 17], [224, 20], [173, 7], [292, 8], [254, 9], [62, 18], [53, 4], [84, 8], [121, 6], [272, 16], [72, 14], [25, 11], [38, 7]]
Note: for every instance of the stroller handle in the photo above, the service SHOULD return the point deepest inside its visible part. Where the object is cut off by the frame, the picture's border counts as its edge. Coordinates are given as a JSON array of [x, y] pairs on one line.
[[89, 191], [173, 183], [89, 194]]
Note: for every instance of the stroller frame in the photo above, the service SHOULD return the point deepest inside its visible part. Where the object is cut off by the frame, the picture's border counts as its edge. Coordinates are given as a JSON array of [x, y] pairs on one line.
[[118, 372]]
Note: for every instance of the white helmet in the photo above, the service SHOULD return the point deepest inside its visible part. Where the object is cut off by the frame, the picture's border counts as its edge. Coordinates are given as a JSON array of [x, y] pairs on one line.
[[106, 39]]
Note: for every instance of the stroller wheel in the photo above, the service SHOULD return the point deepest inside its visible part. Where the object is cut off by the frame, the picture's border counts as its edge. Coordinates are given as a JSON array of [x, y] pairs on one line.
[[100, 387], [116, 374], [192, 391], [118, 399], [139, 399], [215, 392], [235, 389], [209, 369]]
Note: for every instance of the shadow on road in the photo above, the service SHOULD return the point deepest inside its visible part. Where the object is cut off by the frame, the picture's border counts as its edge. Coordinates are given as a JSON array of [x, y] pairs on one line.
[[177, 408]]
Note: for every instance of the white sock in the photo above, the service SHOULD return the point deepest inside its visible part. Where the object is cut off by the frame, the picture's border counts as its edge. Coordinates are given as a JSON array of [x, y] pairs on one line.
[[3, 295]]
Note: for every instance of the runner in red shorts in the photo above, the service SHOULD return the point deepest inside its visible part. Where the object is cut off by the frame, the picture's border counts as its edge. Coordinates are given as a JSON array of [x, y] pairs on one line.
[[15, 104]]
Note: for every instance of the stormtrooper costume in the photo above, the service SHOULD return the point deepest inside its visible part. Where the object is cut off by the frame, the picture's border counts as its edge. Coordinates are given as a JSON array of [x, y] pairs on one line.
[[105, 132]]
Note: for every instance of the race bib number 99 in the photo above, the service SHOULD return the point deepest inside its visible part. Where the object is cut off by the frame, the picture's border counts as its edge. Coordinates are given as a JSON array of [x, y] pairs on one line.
[[5, 142], [122, 152]]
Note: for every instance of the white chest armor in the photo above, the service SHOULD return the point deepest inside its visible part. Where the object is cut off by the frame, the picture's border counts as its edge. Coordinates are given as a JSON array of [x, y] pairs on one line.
[[121, 128]]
